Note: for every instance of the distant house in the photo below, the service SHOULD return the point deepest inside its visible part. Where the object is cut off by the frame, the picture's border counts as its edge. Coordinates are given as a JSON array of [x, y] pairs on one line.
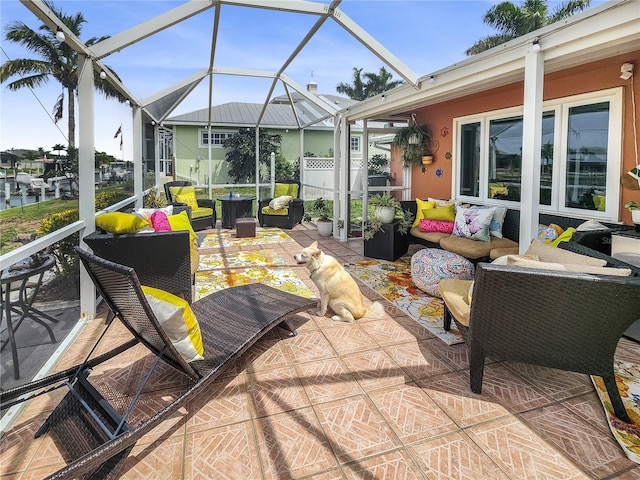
[[186, 139]]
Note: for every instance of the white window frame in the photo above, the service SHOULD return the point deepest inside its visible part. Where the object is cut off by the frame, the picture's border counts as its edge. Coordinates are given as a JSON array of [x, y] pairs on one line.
[[359, 139], [560, 107], [201, 144]]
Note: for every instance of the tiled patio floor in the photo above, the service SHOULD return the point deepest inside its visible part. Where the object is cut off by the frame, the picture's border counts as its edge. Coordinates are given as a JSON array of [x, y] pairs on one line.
[[379, 399]]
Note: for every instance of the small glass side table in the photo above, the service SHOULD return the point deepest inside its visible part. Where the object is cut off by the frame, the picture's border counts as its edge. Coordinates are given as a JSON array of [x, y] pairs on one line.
[[27, 276]]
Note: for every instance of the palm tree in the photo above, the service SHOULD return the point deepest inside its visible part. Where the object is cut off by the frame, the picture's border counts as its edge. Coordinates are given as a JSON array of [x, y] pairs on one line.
[[513, 21], [57, 60], [373, 84]]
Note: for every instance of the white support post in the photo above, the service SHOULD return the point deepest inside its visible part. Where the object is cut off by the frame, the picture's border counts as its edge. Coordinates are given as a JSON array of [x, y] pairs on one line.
[[342, 181], [138, 167], [273, 174], [86, 162], [210, 166], [156, 159], [257, 163], [302, 162], [531, 145]]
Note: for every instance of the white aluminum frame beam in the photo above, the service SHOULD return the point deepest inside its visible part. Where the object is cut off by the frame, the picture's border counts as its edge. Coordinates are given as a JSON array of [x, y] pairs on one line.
[[375, 47], [150, 27]]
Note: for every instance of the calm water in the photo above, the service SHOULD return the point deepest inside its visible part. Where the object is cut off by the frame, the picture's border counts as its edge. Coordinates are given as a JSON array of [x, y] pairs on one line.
[[15, 199]]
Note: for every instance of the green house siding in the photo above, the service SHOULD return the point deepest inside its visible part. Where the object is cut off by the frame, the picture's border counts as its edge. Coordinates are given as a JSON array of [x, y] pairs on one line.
[[187, 151]]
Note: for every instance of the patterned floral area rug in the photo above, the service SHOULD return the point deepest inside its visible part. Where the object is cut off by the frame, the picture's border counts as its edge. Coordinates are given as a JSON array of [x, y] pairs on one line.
[[393, 281], [227, 238], [222, 270], [627, 434]]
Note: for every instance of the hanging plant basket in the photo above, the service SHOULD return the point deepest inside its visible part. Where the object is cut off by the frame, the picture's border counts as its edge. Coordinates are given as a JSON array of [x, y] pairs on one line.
[[427, 159], [414, 140]]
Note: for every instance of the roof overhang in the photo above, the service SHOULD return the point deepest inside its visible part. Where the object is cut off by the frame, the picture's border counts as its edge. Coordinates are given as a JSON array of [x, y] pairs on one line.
[[610, 29]]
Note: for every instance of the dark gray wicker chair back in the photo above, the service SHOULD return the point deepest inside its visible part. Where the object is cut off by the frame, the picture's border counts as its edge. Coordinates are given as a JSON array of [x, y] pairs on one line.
[[121, 290], [563, 320], [160, 260]]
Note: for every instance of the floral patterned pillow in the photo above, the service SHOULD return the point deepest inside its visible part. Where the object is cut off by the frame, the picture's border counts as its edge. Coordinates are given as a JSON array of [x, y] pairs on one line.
[[441, 226], [473, 223]]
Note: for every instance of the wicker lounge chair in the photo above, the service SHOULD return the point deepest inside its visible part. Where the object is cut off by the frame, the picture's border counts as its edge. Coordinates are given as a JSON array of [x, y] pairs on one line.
[[91, 427], [564, 320]]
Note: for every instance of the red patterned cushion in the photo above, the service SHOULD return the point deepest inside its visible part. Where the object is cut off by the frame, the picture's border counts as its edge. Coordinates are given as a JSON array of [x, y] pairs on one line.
[[441, 226]]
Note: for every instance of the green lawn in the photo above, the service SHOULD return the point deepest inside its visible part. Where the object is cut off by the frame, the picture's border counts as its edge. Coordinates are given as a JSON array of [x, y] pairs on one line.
[[26, 219]]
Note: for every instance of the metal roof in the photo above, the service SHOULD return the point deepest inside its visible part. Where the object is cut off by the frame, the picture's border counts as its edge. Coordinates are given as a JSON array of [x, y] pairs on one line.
[[238, 114]]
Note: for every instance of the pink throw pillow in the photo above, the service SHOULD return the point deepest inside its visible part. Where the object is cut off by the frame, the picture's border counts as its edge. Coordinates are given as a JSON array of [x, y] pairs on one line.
[[160, 222], [441, 226]]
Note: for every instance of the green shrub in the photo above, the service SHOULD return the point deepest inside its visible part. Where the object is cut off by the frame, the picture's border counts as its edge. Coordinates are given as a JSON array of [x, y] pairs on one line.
[[105, 199], [153, 200], [67, 266]]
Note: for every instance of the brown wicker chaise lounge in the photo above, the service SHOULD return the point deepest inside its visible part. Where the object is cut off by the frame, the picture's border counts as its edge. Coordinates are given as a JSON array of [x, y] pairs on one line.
[[557, 319], [90, 427]]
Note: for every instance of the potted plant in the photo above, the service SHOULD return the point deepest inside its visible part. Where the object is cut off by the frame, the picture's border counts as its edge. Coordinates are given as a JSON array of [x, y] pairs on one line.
[[634, 208], [414, 140], [382, 203], [324, 223], [384, 207]]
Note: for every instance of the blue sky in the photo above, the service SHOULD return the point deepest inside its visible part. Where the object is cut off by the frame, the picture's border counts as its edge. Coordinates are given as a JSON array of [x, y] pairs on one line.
[[424, 34]]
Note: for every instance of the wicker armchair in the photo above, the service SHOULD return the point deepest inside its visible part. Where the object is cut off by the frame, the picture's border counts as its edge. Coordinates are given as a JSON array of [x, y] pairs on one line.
[[295, 210], [204, 216], [558, 319]]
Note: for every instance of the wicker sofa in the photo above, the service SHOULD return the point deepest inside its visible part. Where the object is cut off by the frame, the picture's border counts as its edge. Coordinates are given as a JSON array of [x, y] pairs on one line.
[[476, 251], [161, 259]]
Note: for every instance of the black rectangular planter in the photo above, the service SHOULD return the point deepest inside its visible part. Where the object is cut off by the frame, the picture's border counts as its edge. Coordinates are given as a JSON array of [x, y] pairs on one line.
[[388, 243]]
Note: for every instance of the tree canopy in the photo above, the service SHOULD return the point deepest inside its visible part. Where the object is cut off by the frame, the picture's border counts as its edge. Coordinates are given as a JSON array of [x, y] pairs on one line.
[[241, 152], [57, 61], [368, 84], [513, 21]]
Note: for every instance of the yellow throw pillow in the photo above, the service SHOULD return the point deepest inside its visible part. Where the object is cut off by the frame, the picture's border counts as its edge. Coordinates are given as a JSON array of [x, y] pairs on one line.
[[181, 222], [447, 213], [189, 199], [178, 321], [182, 190], [421, 206], [282, 189], [564, 236], [119, 222]]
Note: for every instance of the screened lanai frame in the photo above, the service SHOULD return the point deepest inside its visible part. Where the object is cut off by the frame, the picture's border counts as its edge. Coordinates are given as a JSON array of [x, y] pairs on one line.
[[606, 30], [158, 106]]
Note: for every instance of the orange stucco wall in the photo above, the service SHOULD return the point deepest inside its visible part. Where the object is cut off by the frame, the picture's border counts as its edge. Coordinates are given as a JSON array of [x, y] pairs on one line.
[[586, 78]]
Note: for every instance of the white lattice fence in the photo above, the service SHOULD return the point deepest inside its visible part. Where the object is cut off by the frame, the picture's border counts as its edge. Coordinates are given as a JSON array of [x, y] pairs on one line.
[[319, 176]]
